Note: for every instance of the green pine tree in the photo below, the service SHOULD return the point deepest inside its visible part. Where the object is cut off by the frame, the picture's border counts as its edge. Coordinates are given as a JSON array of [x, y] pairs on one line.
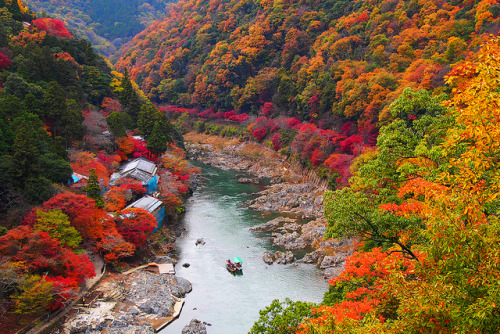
[[26, 151], [116, 124], [157, 141], [93, 190]]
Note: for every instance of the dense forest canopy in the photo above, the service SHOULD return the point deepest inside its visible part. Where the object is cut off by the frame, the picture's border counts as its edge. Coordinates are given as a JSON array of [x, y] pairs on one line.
[[106, 23], [324, 61]]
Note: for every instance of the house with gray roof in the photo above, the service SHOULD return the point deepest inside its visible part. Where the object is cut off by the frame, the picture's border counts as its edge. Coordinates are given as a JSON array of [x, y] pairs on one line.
[[140, 169], [152, 205]]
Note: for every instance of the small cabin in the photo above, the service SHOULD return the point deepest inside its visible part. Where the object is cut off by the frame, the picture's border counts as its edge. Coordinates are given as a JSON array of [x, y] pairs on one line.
[[153, 206], [140, 169]]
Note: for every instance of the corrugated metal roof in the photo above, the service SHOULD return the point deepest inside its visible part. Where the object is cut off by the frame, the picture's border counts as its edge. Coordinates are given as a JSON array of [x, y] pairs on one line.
[[146, 166], [147, 203], [141, 163], [140, 176]]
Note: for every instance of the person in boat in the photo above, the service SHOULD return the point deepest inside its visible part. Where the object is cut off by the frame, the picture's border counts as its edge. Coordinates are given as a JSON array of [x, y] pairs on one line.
[[230, 265]]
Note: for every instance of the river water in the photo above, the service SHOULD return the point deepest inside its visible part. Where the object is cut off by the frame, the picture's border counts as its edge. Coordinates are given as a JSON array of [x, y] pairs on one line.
[[231, 303]]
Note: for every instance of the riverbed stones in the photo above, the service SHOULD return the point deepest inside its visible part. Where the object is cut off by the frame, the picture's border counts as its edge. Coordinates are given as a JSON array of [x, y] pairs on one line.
[[102, 318], [131, 300], [272, 225], [268, 257], [181, 287], [278, 257], [248, 180], [165, 259], [155, 294], [284, 257], [195, 327], [199, 241], [302, 199]]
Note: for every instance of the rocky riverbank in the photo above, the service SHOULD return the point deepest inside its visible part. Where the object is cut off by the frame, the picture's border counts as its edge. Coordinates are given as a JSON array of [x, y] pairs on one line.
[[289, 193], [140, 302]]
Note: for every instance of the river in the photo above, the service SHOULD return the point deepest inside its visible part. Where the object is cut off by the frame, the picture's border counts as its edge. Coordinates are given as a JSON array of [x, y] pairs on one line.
[[231, 303]]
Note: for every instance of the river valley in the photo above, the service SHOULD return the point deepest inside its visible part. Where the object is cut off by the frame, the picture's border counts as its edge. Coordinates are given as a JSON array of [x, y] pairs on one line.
[[231, 303]]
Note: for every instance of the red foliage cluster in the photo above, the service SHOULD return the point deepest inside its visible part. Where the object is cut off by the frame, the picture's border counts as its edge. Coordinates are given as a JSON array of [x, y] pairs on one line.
[[141, 150], [4, 61], [340, 163], [123, 191], [351, 145], [43, 255], [277, 141], [259, 133], [83, 162], [267, 108], [132, 147], [52, 27], [110, 105], [293, 123], [135, 225]]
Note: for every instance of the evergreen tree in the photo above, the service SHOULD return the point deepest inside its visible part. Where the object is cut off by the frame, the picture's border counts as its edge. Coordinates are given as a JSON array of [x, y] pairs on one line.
[[129, 99], [26, 151], [134, 107], [16, 11], [147, 120], [116, 124], [31, 104], [55, 168], [127, 89], [93, 190], [54, 101], [157, 141], [59, 148], [70, 124]]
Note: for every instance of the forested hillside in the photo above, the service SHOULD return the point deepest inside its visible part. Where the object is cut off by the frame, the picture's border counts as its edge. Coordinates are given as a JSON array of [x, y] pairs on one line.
[[313, 78], [64, 109], [107, 24], [324, 61]]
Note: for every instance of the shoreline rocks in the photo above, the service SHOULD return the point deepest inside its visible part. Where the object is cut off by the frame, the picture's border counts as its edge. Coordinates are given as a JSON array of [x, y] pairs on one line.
[[195, 327], [130, 304]]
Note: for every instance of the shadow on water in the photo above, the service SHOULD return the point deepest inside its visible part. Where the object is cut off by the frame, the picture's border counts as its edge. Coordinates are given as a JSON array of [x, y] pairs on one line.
[[231, 302]]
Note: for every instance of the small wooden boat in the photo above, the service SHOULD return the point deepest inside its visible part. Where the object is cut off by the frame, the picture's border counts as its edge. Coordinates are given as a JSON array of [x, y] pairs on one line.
[[238, 262], [236, 266]]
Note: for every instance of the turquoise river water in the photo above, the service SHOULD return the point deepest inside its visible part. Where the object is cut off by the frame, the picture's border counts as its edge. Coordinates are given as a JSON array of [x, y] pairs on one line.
[[231, 303]]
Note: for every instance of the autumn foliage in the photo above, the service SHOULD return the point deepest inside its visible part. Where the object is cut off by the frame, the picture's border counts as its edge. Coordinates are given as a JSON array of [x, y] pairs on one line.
[[52, 27], [439, 274]]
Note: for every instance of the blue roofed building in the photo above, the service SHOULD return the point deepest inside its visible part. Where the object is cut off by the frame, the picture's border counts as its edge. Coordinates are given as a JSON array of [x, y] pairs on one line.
[[140, 169], [151, 205]]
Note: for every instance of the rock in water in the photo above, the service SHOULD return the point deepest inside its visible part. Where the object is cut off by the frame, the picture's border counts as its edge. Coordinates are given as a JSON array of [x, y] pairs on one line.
[[195, 327], [268, 257]]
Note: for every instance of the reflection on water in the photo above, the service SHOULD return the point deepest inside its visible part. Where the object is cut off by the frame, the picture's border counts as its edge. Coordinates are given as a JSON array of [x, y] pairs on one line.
[[231, 303]]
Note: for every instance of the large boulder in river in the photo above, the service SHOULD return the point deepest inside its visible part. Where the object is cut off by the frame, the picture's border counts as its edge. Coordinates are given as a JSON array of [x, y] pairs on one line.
[[195, 327], [284, 257], [332, 261], [268, 257], [248, 180], [181, 288], [288, 241], [313, 257]]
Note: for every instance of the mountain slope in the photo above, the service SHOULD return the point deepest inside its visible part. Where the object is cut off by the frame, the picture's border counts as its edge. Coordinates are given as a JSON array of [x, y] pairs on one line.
[[323, 60], [108, 23]]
